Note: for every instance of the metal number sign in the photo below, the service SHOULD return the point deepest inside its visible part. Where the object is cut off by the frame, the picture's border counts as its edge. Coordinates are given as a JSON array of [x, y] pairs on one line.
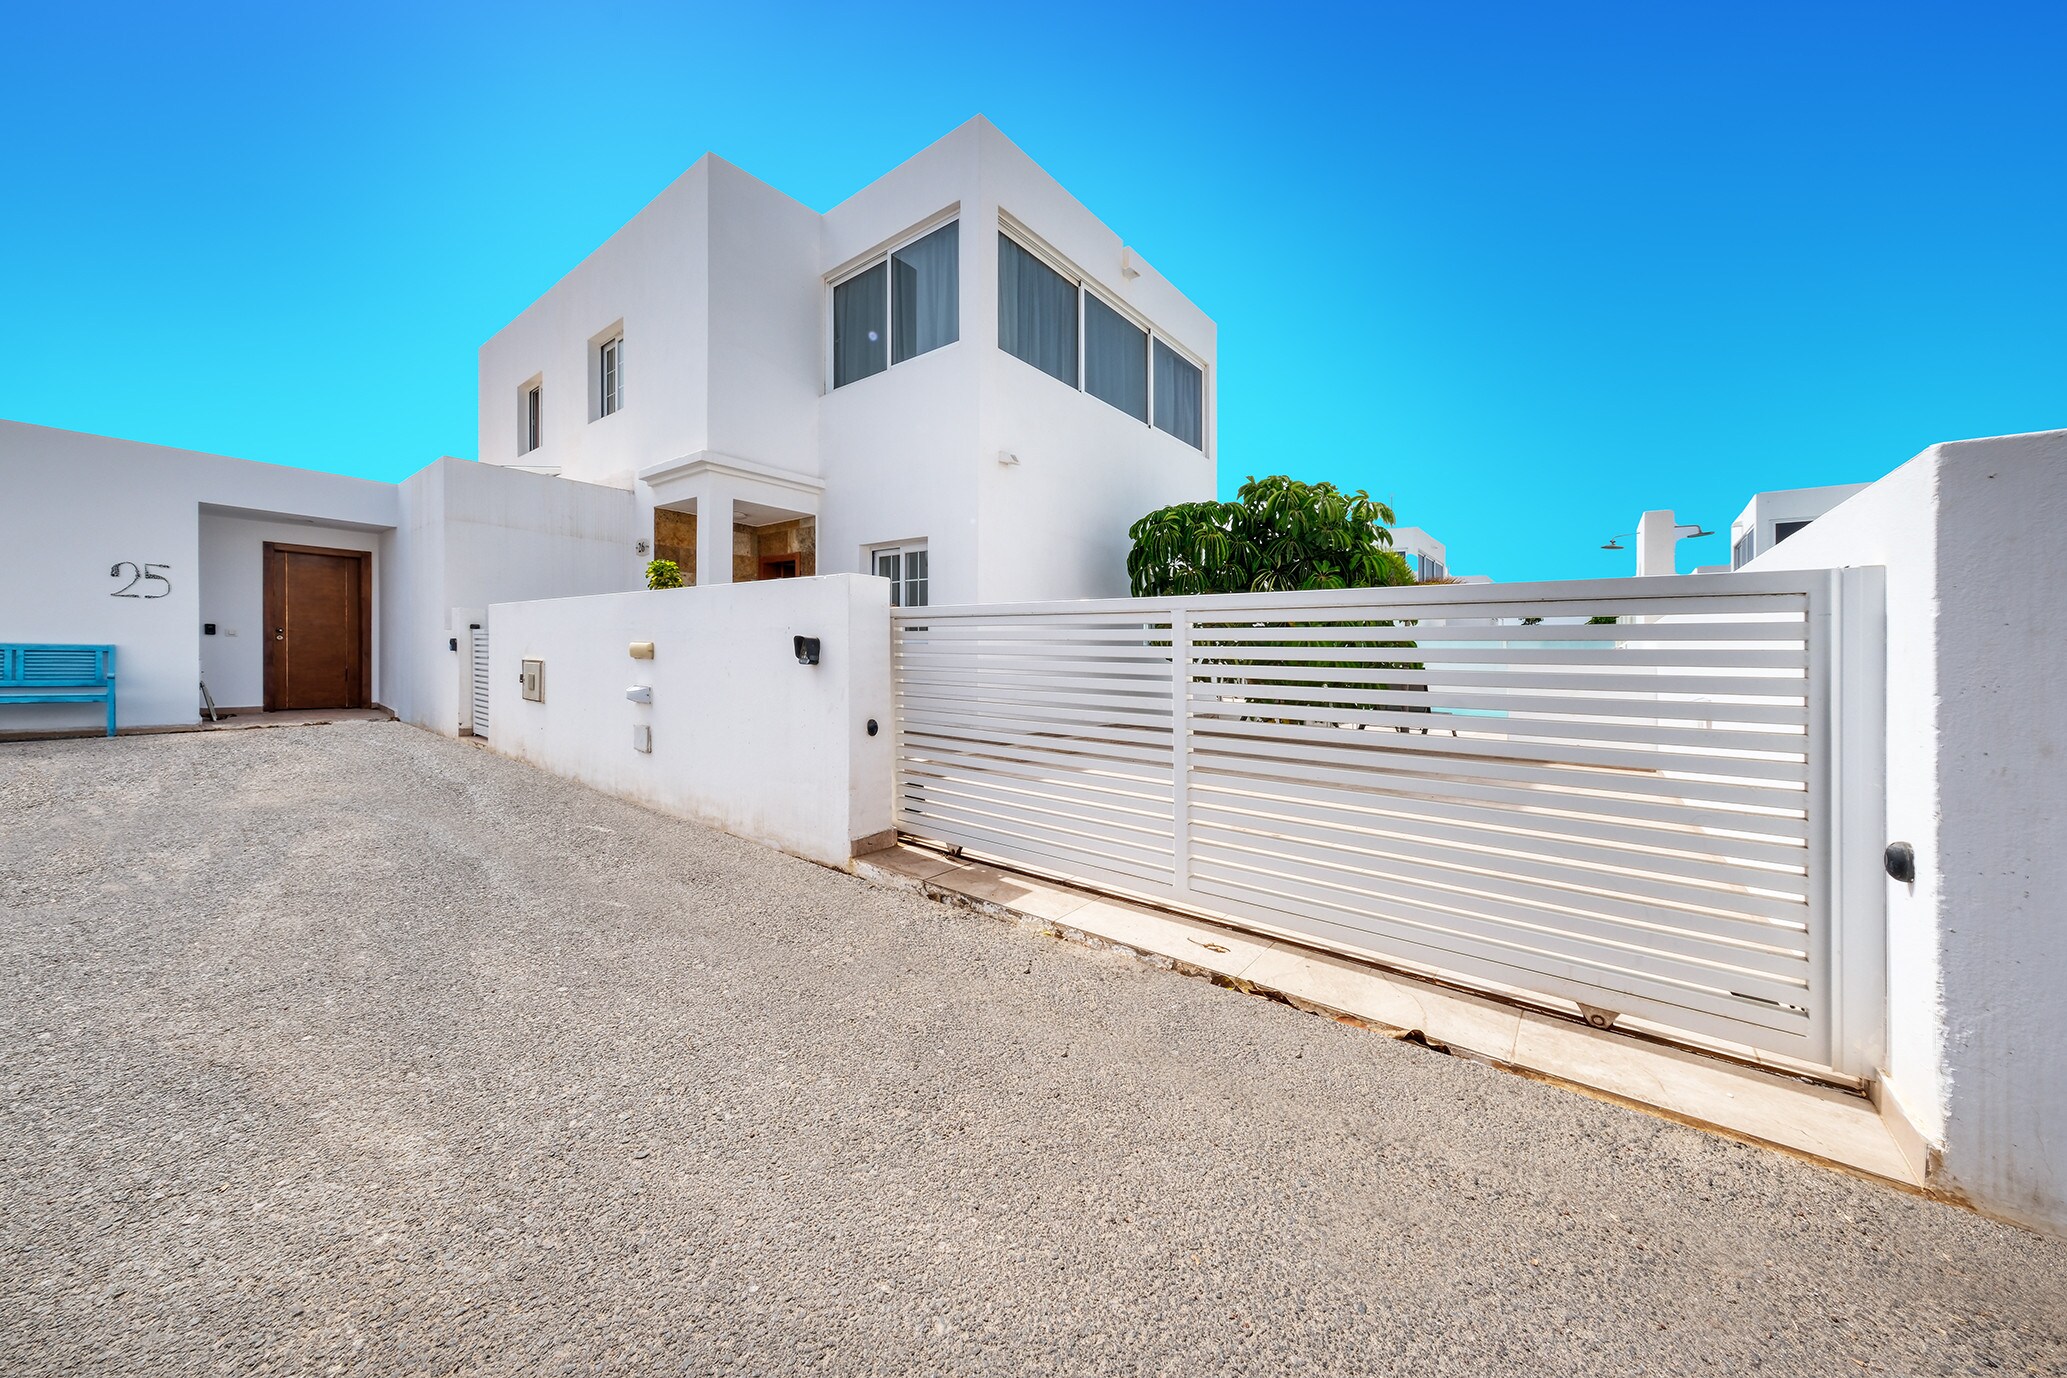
[[139, 575]]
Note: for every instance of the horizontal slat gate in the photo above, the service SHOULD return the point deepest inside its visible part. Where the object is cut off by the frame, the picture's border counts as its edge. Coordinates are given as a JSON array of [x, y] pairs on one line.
[[1628, 815], [479, 641]]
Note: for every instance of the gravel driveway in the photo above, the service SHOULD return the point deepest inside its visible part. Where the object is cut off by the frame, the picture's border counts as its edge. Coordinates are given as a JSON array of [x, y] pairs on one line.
[[355, 1050]]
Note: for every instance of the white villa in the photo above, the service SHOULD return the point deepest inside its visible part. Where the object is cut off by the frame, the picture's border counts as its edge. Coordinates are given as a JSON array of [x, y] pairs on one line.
[[957, 378]]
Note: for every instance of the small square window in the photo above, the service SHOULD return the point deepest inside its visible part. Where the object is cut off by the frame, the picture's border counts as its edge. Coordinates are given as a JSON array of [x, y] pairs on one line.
[[905, 567]]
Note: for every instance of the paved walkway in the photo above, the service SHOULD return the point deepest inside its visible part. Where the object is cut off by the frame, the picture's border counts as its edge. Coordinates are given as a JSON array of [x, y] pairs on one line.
[[352, 1050]]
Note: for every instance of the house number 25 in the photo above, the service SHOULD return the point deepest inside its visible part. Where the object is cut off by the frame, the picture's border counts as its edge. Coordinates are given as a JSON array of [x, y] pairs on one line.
[[145, 574]]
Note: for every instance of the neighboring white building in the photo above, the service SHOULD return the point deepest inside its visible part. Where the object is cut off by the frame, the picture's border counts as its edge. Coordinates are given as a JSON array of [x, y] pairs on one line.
[[1770, 518], [958, 373], [1426, 556], [957, 378]]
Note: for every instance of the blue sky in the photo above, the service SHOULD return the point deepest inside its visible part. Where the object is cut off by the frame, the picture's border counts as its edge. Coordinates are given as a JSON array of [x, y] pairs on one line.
[[1521, 270]]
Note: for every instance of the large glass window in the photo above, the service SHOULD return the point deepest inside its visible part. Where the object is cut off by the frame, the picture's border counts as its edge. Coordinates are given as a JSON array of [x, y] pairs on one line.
[[1115, 358], [1180, 397], [1037, 313], [926, 295], [861, 345], [901, 306], [1042, 312]]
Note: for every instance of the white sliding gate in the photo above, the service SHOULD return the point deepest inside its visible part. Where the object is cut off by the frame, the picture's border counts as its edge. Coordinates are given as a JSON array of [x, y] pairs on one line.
[[1482, 781]]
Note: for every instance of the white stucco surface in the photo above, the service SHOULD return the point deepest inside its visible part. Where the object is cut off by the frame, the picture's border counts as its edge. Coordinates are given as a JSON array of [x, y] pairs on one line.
[[1976, 737], [744, 737], [723, 285], [75, 505]]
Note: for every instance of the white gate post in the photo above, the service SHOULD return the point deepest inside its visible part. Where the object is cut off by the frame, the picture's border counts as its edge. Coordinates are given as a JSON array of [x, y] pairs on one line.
[[1857, 651]]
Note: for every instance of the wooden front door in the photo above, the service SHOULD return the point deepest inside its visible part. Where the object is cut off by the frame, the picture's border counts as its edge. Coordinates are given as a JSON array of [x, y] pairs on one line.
[[319, 627]]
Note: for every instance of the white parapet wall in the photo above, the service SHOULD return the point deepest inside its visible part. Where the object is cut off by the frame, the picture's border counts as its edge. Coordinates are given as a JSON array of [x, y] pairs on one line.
[[1970, 535], [743, 736]]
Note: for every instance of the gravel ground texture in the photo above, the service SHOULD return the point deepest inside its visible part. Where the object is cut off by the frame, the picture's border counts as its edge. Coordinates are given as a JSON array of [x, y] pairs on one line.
[[356, 1050]]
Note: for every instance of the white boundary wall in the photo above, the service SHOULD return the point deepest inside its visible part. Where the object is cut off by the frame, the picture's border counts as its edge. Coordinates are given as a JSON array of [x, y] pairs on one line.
[[1970, 535], [744, 738]]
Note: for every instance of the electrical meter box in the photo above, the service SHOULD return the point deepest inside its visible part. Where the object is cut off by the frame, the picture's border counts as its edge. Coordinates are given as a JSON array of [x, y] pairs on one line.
[[534, 681]]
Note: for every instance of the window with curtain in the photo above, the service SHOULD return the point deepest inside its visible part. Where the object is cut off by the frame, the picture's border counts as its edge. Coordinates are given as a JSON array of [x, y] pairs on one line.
[[861, 344], [1115, 358], [925, 294], [906, 303], [1037, 313], [1180, 397]]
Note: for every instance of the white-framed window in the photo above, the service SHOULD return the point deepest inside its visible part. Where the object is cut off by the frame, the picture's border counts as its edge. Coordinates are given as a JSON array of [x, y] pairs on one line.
[[905, 567], [904, 303], [610, 376], [531, 419], [1427, 569], [1053, 318]]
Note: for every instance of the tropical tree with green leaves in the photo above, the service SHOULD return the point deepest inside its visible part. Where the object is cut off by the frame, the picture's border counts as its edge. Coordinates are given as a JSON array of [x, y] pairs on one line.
[[1279, 535]]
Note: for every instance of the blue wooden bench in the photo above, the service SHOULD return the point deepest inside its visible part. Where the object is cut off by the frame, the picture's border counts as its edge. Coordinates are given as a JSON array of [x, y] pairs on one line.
[[58, 674]]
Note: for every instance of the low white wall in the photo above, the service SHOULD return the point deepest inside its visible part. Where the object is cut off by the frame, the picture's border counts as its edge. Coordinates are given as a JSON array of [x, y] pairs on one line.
[[475, 534], [744, 738], [1976, 740]]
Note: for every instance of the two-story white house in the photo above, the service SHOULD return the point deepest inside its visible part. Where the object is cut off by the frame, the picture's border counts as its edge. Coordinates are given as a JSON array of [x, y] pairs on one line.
[[957, 377]]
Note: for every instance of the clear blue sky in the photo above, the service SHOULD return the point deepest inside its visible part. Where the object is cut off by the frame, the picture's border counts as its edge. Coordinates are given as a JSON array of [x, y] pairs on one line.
[[1522, 270]]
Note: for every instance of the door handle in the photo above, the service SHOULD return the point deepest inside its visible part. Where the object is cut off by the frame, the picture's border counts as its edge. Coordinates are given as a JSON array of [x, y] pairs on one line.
[[279, 633]]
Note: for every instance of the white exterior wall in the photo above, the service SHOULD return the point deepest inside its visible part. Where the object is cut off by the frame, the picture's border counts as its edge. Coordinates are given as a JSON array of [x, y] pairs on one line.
[[745, 738], [232, 565], [653, 275], [1767, 510], [1976, 733], [723, 282], [474, 534], [75, 504]]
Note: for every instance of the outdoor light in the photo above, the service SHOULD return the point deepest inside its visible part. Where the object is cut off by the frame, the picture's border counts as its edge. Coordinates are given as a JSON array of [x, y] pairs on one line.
[[1614, 543], [1901, 862], [807, 650], [640, 693]]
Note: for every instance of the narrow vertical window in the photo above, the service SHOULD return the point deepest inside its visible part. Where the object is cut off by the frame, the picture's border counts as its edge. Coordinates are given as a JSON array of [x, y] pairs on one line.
[[1180, 399], [915, 578], [1115, 358], [1037, 313], [612, 379], [926, 293], [534, 417], [861, 321]]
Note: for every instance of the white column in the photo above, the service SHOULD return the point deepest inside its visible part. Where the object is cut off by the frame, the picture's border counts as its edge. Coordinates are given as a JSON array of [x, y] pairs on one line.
[[1656, 540], [713, 536]]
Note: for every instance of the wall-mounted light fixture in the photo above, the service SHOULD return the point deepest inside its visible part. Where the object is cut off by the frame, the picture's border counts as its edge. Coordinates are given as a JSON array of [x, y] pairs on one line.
[[1008, 459], [1901, 862], [642, 650], [640, 693], [807, 650]]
